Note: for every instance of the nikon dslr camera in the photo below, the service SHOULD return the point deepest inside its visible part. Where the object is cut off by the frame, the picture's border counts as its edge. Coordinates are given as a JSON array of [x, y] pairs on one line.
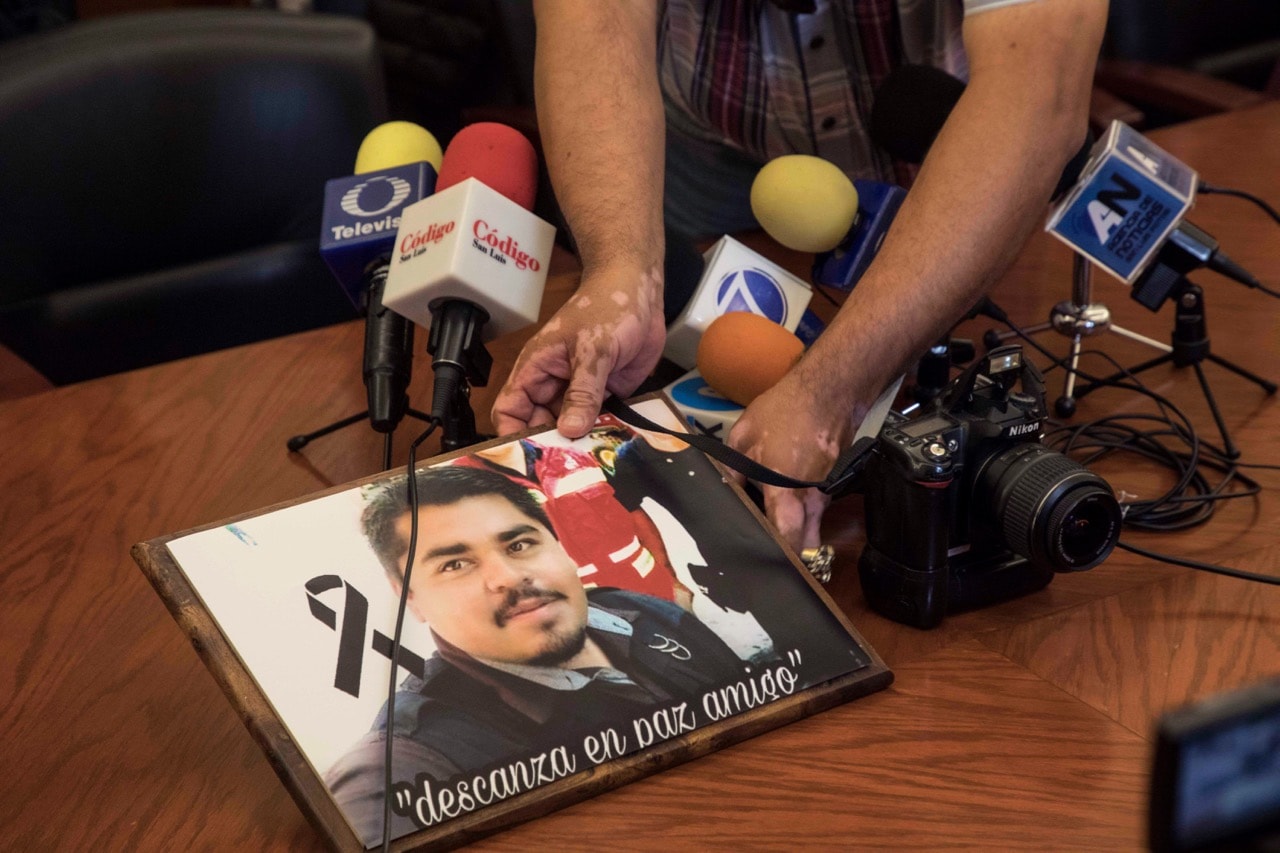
[[965, 507]]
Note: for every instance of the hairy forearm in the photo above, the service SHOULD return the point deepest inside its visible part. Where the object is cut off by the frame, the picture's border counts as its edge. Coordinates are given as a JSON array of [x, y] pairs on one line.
[[601, 121], [980, 193]]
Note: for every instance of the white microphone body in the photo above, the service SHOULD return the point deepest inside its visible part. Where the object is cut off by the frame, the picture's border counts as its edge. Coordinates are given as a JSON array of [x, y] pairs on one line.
[[470, 243], [735, 278]]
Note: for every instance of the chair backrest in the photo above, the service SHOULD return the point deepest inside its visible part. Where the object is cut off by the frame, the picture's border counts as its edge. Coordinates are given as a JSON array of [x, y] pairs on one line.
[[161, 179]]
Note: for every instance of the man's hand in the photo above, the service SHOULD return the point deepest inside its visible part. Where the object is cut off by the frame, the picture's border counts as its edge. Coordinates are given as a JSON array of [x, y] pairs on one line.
[[793, 429], [606, 339]]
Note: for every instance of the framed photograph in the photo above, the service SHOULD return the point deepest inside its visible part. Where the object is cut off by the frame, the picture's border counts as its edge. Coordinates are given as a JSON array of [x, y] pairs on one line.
[[578, 614]]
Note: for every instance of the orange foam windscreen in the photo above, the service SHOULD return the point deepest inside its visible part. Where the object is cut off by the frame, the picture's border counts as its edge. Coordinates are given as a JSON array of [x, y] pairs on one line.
[[742, 355]]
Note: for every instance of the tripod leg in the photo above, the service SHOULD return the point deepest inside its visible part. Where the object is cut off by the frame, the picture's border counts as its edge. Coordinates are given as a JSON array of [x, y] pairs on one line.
[[1142, 339], [992, 338], [1264, 384], [300, 441], [1124, 374], [1228, 447], [1066, 404]]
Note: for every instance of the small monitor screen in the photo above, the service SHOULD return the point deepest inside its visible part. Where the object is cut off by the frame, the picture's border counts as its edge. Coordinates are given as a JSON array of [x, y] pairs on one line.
[[1229, 780]]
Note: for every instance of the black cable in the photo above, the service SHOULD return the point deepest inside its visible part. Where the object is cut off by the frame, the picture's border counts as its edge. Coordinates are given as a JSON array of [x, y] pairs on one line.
[[1209, 189], [1160, 513], [387, 781], [1196, 564], [1192, 499], [821, 291], [1262, 465], [1262, 288]]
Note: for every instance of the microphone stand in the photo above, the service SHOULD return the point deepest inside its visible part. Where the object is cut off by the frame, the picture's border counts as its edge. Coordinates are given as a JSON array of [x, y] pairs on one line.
[[1190, 340], [459, 360], [933, 370], [298, 442], [388, 364], [1077, 318]]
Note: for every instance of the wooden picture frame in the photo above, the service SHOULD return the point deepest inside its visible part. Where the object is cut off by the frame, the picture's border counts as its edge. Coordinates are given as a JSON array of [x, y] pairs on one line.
[[256, 596]]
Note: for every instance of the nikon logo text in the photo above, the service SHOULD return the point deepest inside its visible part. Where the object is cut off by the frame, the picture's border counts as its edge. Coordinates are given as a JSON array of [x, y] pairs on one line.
[[1024, 429]]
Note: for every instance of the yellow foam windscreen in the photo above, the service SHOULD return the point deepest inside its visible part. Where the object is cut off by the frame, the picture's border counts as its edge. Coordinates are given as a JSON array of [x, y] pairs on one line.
[[397, 143], [805, 203]]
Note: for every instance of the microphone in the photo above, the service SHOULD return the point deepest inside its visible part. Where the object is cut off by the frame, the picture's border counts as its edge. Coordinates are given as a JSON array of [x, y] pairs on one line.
[[808, 204], [804, 202], [1101, 185], [1126, 214], [915, 101], [713, 397], [739, 356], [722, 352], [909, 109], [470, 261], [395, 166], [734, 279]]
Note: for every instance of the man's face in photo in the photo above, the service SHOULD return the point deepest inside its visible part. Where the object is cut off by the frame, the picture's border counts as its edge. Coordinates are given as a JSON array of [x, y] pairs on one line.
[[495, 583]]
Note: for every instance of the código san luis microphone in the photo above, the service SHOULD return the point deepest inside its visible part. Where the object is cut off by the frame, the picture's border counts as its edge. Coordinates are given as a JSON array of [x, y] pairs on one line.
[[470, 263]]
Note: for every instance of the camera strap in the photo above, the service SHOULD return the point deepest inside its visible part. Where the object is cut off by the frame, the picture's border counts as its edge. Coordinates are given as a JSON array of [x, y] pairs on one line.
[[839, 481]]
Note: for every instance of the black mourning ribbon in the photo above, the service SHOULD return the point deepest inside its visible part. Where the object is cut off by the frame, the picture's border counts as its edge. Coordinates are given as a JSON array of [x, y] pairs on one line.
[[838, 483]]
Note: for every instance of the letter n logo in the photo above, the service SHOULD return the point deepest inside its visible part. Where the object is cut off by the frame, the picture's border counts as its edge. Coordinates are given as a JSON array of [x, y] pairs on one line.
[[1106, 211]]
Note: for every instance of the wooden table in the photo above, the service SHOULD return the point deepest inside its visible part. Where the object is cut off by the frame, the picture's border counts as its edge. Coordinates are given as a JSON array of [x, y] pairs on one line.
[[1026, 725]]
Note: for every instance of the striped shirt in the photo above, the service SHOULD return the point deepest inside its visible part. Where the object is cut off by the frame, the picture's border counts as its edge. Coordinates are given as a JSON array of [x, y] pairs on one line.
[[767, 82]]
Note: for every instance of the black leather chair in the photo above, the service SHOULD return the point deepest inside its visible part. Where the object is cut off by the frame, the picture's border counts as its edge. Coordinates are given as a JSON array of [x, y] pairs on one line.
[[161, 178]]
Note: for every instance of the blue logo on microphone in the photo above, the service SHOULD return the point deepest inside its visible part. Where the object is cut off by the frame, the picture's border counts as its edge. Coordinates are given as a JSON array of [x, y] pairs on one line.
[[375, 196], [752, 290], [695, 393]]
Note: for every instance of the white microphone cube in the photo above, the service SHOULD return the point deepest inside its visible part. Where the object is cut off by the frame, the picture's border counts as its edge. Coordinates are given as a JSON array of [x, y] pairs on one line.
[[1128, 198], [470, 242], [735, 278]]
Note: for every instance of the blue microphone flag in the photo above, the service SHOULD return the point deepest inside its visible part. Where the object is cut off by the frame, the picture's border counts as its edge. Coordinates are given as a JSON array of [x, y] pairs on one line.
[[361, 217], [1129, 197]]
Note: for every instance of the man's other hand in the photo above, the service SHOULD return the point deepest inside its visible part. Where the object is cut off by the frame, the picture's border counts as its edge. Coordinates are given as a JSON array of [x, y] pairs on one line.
[[792, 429]]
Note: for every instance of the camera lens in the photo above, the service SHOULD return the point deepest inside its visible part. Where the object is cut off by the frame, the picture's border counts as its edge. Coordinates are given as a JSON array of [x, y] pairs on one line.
[[1051, 509]]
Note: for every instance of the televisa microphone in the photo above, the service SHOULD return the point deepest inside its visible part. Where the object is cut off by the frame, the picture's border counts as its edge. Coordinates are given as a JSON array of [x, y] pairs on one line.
[[395, 166], [470, 261]]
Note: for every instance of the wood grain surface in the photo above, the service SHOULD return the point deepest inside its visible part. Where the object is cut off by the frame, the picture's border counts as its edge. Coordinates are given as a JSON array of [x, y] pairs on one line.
[[1021, 726]]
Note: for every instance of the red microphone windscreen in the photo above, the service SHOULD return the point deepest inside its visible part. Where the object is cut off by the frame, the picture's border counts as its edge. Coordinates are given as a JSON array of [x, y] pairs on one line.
[[498, 156]]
